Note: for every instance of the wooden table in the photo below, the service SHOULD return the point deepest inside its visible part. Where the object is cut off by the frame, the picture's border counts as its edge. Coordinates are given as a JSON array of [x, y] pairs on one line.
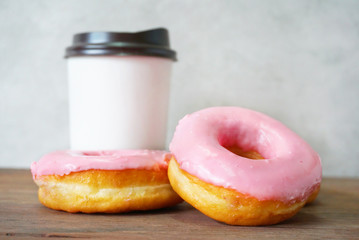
[[334, 215]]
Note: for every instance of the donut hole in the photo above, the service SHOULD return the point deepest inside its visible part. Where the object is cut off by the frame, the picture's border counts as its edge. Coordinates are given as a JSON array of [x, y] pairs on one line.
[[86, 153], [241, 141], [251, 154], [97, 153]]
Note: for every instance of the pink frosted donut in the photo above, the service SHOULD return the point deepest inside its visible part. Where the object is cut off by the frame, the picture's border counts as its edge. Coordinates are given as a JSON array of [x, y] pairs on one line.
[[289, 173], [104, 181]]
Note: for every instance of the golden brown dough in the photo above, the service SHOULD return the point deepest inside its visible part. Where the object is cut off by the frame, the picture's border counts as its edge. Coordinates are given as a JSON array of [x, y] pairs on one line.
[[227, 205], [108, 191]]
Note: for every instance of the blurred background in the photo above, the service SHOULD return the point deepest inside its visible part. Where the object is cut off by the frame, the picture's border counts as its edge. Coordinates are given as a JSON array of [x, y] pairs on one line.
[[297, 61]]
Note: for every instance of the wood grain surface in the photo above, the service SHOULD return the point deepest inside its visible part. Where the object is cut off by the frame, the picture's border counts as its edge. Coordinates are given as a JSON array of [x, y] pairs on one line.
[[334, 215]]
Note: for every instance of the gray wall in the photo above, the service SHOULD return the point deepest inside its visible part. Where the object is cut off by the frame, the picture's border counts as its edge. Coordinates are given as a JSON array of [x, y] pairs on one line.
[[294, 60]]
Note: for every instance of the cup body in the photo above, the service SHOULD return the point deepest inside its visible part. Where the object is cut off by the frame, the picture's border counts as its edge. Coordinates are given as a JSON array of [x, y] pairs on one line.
[[118, 102]]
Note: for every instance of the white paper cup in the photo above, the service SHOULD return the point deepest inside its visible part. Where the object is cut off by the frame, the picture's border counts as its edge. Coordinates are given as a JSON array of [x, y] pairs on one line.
[[118, 99]]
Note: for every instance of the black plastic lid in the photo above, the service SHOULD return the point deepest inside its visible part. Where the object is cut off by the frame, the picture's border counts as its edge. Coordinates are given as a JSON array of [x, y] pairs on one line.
[[153, 42]]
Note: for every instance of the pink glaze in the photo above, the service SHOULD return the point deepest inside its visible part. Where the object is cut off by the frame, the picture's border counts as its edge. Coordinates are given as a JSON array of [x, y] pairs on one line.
[[65, 162], [290, 171]]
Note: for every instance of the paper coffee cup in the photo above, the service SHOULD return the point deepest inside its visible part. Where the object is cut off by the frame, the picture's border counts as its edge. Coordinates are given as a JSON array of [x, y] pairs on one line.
[[119, 89]]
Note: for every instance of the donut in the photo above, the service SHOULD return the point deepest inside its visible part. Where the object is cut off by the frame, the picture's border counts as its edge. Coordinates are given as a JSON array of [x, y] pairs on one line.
[[104, 181], [242, 167]]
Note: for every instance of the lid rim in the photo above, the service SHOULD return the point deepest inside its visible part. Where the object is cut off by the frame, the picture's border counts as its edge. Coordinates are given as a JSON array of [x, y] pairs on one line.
[[155, 52], [90, 52]]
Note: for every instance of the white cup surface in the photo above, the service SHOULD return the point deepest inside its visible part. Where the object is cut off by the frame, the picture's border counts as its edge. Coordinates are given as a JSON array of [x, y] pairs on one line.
[[118, 102]]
